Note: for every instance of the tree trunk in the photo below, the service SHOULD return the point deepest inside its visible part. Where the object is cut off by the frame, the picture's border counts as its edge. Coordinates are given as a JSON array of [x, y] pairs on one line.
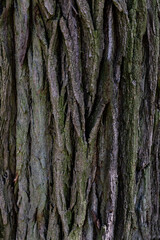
[[79, 120]]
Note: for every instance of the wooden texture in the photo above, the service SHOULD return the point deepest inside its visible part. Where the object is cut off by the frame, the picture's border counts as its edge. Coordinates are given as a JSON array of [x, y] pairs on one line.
[[79, 120]]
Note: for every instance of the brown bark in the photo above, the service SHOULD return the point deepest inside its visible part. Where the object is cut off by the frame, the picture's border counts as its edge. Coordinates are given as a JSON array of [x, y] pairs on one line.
[[79, 120]]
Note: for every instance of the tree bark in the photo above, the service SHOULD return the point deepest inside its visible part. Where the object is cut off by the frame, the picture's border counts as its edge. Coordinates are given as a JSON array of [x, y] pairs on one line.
[[79, 120]]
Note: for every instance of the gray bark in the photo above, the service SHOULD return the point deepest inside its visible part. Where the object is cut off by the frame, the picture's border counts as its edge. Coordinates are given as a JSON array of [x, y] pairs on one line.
[[79, 120]]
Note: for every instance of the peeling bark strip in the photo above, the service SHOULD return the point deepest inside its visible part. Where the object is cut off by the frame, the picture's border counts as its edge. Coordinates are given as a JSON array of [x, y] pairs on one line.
[[79, 120]]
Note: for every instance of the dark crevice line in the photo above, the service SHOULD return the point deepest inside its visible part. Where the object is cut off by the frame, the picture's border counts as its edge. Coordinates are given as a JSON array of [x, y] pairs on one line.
[[71, 182], [50, 204], [61, 235], [14, 114], [1, 8], [119, 223], [30, 112], [28, 170]]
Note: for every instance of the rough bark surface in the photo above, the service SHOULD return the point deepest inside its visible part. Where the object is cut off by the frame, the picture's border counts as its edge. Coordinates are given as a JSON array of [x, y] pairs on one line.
[[79, 120]]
